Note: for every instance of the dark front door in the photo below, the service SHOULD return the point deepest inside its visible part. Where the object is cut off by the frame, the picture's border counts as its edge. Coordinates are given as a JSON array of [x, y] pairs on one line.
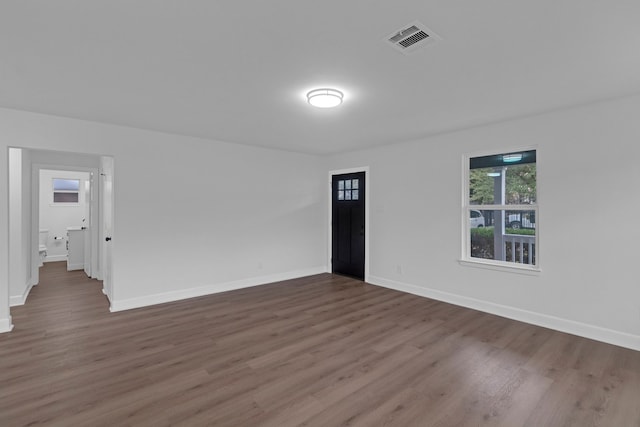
[[347, 223]]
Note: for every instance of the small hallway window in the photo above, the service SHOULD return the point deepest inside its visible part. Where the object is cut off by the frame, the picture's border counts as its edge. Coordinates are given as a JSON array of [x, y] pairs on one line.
[[66, 190]]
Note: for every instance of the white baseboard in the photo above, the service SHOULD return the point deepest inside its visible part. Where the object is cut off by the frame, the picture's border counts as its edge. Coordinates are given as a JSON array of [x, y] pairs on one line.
[[55, 258], [71, 267], [16, 300], [622, 339], [165, 297], [5, 325]]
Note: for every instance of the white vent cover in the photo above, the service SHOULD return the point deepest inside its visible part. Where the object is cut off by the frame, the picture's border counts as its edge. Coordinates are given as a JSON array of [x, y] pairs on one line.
[[412, 37]]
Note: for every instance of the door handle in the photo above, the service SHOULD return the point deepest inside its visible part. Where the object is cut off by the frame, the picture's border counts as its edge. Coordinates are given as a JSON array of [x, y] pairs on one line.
[[107, 239]]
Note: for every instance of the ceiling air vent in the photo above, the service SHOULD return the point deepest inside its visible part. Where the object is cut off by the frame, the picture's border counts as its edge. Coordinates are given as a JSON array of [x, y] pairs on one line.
[[412, 37]]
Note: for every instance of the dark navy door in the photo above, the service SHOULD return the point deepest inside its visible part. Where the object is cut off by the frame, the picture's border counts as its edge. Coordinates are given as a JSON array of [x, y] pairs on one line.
[[347, 224]]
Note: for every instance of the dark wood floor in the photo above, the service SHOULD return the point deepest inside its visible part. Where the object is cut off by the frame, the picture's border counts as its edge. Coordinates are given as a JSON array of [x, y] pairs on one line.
[[319, 351]]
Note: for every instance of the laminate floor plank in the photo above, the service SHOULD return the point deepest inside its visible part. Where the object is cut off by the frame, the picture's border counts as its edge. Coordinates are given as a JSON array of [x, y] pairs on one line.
[[323, 350]]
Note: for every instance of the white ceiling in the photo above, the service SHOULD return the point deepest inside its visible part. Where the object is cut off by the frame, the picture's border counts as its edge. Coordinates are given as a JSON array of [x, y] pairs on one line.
[[238, 71]]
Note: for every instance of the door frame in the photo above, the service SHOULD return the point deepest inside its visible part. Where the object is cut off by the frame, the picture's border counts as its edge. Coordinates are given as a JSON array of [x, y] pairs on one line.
[[106, 246], [367, 192]]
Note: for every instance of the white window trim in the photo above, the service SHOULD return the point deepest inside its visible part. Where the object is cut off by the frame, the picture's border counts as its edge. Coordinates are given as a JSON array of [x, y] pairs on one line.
[[497, 265]]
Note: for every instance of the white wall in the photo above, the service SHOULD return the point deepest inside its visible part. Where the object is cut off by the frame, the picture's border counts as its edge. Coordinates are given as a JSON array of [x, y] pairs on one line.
[[57, 217], [19, 226], [5, 317], [195, 216], [588, 178], [192, 216]]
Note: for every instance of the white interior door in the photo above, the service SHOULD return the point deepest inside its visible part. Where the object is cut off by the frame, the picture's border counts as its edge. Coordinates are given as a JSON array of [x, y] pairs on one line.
[[88, 200], [106, 191]]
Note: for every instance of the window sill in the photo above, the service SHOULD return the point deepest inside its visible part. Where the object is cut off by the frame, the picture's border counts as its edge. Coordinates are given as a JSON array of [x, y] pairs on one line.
[[508, 268]]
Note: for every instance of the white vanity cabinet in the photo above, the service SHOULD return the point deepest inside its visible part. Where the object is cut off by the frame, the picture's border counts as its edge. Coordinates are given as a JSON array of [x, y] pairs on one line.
[[75, 248]]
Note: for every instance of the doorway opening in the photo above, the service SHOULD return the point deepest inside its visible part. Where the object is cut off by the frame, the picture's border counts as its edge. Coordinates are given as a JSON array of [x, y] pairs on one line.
[[60, 194], [68, 219]]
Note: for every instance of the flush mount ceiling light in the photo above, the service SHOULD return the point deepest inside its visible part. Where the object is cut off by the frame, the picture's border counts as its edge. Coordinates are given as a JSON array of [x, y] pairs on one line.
[[325, 98]]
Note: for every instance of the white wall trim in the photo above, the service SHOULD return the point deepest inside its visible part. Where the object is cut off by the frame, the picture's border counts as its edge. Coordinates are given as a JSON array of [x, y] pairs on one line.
[[367, 196], [181, 294], [585, 330], [15, 300], [55, 258], [6, 325]]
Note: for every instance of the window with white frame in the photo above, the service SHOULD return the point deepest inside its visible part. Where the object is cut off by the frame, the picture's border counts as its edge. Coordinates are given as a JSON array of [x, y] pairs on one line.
[[501, 209], [66, 190]]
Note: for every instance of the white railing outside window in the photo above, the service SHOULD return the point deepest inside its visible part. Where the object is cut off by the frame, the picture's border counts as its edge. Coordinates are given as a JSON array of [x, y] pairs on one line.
[[519, 248]]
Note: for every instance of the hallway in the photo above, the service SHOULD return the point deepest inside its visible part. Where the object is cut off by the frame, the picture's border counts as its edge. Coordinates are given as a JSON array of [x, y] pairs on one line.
[[62, 300]]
